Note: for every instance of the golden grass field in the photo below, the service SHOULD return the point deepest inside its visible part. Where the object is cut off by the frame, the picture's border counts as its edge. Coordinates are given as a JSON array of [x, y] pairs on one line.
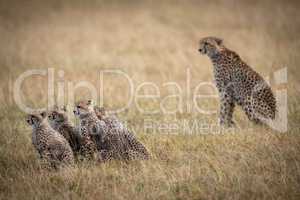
[[151, 41]]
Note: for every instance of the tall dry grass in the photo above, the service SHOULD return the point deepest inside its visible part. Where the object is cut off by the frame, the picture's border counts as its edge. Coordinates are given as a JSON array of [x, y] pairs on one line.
[[157, 42]]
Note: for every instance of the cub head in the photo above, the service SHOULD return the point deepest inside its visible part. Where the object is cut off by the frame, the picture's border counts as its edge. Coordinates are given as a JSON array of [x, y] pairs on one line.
[[58, 115], [100, 112], [83, 107], [36, 119], [210, 46]]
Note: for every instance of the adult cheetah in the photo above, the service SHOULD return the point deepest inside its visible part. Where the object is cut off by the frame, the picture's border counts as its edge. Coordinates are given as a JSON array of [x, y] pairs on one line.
[[52, 146], [238, 83]]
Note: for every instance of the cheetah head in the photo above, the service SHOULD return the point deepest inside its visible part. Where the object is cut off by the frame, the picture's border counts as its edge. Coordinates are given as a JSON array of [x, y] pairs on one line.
[[100, 112], [36, 119], [210, 46], [83, 108], [57, 116]]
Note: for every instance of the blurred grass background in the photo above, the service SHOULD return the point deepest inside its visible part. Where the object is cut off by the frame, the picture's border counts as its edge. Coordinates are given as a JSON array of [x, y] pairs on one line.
[[153, 41]]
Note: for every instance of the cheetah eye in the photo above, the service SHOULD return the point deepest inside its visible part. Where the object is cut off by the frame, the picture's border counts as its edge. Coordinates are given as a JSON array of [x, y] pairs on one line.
[[34, 119], [205, 43], [78, 106]]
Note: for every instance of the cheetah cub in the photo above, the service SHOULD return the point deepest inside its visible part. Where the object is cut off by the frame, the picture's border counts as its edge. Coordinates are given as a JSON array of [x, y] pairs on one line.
[[90, 125], [52, 146], [134, 149], [238, 83], [80, 142], [111, 121], [112, 141]]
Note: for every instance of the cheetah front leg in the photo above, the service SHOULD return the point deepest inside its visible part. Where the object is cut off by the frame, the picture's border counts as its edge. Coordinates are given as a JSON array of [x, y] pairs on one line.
[[48, 159], [226, 109]]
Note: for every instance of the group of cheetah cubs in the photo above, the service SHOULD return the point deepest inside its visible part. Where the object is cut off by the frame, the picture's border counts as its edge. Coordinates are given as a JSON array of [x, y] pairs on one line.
[[103, 138], [98, 137]]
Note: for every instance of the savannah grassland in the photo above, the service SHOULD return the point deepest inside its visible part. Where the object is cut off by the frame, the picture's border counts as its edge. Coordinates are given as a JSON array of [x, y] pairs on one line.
[[151, 41]]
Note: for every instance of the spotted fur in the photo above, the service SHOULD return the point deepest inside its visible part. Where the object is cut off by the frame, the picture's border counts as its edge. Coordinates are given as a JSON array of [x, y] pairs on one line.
[[112, 139], [238, 83], [121, 135], [111, 121], [80, 142], [51, 146]]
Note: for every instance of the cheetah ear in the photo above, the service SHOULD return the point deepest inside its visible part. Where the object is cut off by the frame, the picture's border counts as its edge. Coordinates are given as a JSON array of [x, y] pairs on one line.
[[90, 102], [64, 108], [219, 41], [101, 110], [29, 118], [55, 107], [44, 114]]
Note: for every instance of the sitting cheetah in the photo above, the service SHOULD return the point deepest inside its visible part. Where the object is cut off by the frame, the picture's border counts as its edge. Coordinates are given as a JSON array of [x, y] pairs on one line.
[[112, 143], [116, 127], [89, 122], [238, 83], [51, 146], [111, 121], [78, 139]]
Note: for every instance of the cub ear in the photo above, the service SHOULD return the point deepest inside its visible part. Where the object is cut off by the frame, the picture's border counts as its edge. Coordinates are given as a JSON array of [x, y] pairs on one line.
[[102, 110], [219, 41], [44, 114], [55, 107], [99, 110], [28, 118], [64, 108], [90, 102]]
